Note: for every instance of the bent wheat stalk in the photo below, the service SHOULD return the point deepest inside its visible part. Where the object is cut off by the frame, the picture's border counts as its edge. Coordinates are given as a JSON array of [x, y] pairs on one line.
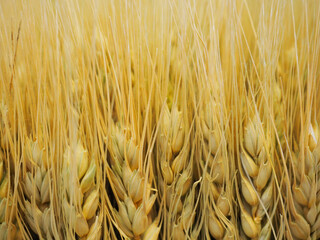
[[81, 199], [131, 187]]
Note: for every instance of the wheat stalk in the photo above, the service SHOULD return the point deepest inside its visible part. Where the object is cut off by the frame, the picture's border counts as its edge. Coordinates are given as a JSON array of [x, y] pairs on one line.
[[131, 187]]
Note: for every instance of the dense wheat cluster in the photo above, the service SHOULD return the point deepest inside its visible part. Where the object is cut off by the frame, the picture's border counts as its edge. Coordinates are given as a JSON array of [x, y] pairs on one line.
[[173, 119]]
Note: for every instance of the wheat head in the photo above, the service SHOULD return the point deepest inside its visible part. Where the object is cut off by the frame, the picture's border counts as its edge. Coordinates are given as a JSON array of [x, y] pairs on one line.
[[82, 193], [214, 165], [304, 200], [131, 187], [256, 181], [176, 171], [39, 212]]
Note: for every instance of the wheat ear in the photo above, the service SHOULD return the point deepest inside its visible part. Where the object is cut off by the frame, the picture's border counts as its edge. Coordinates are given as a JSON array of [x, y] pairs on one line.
[[256, 181], [9, 228], [131, 187], [214, 165], [39, 212], [81, 198], [176, 171], [304, 200]]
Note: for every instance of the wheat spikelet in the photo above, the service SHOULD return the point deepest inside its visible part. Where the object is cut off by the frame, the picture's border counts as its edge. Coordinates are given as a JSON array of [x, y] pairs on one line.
[[131, 187], [176, 171], [82, 194], [37, 208], [214, 165], [256, 181], [304, 200]]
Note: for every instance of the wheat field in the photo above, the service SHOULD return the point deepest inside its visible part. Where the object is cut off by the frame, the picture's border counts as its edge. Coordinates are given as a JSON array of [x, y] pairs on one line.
[[149, 119]]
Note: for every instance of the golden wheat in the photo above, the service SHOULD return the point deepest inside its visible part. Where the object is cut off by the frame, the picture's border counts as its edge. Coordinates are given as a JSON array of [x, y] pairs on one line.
[[82, 194], [304, 200], [131, 186], [106, 131], [214, 164], [176, 171], [256, 181], [39, 212], [9, 229]]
